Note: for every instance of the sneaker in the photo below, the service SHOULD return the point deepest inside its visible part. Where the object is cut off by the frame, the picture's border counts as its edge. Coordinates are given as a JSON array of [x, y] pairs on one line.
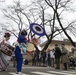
[[19, 73]]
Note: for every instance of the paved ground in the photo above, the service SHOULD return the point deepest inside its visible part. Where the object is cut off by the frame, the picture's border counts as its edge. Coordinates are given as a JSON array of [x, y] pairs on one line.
[[33, 70]]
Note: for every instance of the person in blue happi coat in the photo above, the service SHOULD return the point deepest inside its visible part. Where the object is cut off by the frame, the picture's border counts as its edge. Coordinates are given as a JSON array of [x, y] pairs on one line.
[[18, 53]]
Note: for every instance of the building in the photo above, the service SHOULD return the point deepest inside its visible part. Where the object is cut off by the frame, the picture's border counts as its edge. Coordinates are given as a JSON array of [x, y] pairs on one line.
[[67, 43]]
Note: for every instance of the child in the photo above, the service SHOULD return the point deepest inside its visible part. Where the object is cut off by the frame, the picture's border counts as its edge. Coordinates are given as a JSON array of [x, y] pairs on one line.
[[72, 62]]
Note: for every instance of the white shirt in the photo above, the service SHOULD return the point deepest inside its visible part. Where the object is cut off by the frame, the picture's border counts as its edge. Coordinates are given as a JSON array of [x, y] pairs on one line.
[[52, 54]]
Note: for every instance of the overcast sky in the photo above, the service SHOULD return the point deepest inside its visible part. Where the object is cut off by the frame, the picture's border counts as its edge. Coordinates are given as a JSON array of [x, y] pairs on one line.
[[68, 17], [3, 4]]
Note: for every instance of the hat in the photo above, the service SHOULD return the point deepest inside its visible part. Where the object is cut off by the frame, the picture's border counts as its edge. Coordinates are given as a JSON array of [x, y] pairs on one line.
[[7, 34]]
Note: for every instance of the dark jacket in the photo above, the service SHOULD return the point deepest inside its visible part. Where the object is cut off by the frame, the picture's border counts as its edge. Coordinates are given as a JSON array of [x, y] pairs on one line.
[[57, 52]]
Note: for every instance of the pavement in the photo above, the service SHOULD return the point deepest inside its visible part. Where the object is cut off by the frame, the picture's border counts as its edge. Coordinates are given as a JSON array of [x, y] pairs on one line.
[[35, 70]]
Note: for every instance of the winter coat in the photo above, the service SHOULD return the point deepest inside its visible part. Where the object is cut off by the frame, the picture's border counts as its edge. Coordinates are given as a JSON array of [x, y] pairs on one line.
[[64, 55]]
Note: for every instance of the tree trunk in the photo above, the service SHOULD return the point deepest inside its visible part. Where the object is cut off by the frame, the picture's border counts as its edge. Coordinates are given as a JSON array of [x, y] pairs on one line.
[[64, 30]]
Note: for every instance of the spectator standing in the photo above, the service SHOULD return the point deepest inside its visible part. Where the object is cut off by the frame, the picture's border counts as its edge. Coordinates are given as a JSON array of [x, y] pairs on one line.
[[64, 56], [43, 57], [49, 59], [40, 58], [57, 56], [52, 56]]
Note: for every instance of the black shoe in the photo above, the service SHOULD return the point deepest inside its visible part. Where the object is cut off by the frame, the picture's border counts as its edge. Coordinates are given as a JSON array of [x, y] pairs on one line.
[[64, 69], [4, 70], [57, 68]]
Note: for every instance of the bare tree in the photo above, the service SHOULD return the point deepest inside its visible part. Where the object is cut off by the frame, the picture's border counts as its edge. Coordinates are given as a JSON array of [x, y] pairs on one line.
[[55, 29], [14, 18], [56, 5], [37, 12]]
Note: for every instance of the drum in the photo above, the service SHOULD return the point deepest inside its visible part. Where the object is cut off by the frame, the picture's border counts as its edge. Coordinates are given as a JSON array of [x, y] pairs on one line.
[[6, 49], [30, 47], [35, 41]]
